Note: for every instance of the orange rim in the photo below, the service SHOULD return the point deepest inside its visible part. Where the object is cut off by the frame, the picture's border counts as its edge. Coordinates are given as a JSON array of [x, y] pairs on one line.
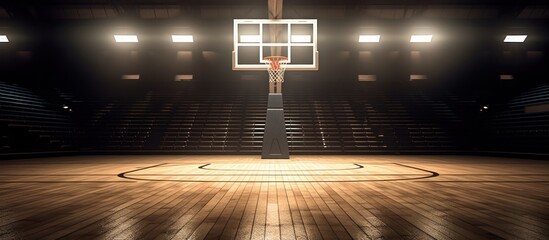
[[275, 61]]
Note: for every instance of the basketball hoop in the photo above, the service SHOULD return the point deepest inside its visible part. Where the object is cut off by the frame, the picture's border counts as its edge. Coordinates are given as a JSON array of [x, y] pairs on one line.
[[276, 65]]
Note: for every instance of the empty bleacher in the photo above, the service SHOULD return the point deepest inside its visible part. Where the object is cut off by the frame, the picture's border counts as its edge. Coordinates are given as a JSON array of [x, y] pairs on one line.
[[33, 123], [370, 118], [508, 127], [192, 118]]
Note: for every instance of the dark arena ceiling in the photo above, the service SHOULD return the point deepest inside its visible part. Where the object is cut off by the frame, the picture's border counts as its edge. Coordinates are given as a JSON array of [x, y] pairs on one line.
[[321, 9]]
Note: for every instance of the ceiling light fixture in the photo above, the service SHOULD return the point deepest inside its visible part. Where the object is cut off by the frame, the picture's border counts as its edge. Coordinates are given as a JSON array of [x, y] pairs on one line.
[[182, 38], [421, 38], [515, 38], [369, 38], [126, 38]]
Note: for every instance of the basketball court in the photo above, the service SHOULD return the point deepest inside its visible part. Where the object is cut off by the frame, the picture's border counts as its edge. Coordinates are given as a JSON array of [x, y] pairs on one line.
[[245, 197], [407, 132]]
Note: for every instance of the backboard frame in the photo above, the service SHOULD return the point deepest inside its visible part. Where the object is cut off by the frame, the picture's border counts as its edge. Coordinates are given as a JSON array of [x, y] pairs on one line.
[[289, 44]]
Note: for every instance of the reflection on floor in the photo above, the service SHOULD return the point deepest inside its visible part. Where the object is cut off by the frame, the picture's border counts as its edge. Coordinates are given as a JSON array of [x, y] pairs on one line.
[[244, 197]]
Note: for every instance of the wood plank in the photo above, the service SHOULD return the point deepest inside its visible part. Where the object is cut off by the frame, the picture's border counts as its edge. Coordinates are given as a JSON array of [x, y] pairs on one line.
[[243, 197]]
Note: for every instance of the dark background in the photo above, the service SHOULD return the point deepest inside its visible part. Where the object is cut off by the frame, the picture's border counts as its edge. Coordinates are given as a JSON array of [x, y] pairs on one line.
[[62, 53]]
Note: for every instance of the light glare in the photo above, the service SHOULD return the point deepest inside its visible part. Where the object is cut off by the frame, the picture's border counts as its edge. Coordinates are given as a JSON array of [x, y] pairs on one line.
[[421, 38], [250, 38], [369, 38], [4, 38], [301, 38], [182, 38], [515, 38], [125, 38]]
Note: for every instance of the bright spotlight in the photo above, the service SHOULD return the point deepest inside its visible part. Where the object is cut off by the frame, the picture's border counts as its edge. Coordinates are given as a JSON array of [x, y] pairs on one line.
[[421, 38], [369, 38], [126, 38], [4, 38], [515, 38], [182, 38]]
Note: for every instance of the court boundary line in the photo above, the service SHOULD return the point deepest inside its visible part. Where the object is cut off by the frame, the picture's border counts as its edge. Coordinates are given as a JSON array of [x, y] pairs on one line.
[[431, 175]]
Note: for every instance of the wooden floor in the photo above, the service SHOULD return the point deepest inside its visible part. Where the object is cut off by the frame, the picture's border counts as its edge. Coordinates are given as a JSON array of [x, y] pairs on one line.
[[244, 197]]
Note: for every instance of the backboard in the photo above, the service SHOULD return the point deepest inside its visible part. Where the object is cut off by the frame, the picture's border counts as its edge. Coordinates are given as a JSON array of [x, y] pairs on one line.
[[255, 39]]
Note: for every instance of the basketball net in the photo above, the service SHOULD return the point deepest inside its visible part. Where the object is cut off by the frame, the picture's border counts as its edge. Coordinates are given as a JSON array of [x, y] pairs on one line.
[[276, 66]]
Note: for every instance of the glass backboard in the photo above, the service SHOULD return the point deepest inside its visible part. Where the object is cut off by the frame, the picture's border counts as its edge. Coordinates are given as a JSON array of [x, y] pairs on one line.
[[255, 39]]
